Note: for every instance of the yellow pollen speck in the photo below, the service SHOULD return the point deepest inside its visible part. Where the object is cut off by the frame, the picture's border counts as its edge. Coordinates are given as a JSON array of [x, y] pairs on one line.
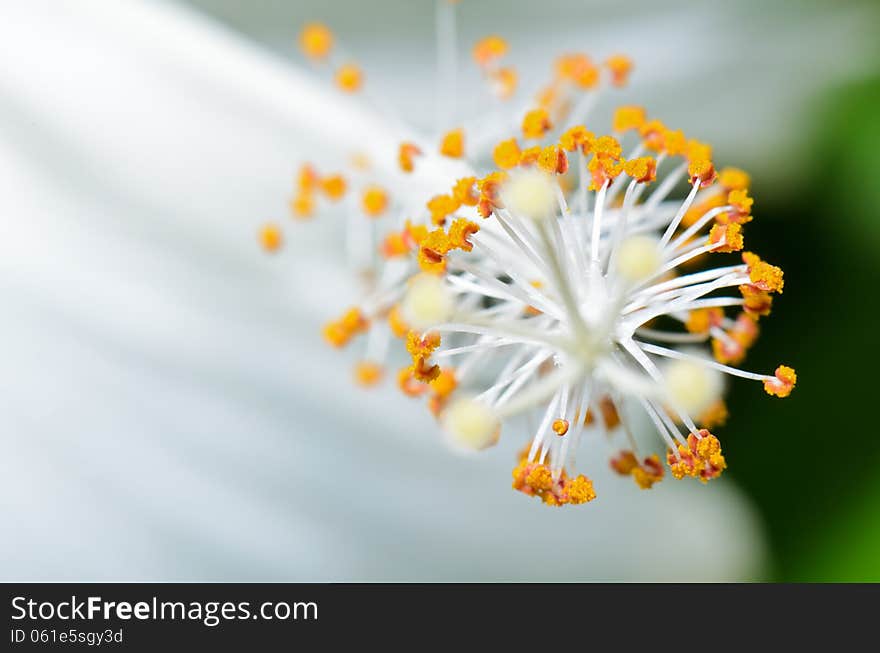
[[578, 69], [504, 81], [374, 201], [488, 50], [349, 78], [734, 179], [302, 205], [270, 237], [333, 186], [452, 144], [367, 373], [339, 332], [620, 67], [307, 178], [560, 427], [316, 41], [406, 156], [396, 323]]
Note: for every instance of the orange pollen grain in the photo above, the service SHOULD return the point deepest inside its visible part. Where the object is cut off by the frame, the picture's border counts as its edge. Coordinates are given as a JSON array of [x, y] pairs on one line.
[[316, 41], [560, 427], [452, 144]]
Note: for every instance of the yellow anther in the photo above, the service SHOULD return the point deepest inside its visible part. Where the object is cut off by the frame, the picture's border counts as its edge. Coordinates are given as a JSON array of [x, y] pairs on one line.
[[540, 479], [577, 137], [490, 193], [763, 276], [406, 156], [702, 171], [758, 303], [603, 169], [504, 81], [783, 382], [728, 351], [700, 458], [629, 117], [620, 67], [729, 237], [579, 490], [307, 178], [408, 384], [302, 205], [333, 187], [642, 169], [696, 150], [607, 146], [367, 373], [577, 69], [548, 96], [339, 332], [745, 329], [610, 416], [674, 142], [553, 160], [488, 50], [648, 473], [702, 319], [734, 179], [452, 144], [529, 156], [653, 135], [459, 233], [421, 348], [742, 206], [374, 201], [349, 78], [464, 191], [316, 41], [444, 384], [432, 251], [624, 463], [506, 154], [396, 323], [442, 206], [270, 237], [560, 427], [536, 123]]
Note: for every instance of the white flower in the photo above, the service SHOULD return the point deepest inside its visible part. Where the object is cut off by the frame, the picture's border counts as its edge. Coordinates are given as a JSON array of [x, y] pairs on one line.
[[557, 293]]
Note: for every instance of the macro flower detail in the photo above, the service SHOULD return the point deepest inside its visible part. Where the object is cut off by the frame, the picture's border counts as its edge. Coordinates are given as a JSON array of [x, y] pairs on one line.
[[571, 293]]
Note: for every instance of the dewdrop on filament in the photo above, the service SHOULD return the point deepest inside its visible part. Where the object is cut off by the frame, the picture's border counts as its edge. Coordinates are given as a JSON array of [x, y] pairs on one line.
[[573, 282]]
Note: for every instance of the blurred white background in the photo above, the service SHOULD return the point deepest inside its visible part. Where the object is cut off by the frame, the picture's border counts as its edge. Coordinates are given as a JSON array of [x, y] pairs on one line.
[[168, 410]]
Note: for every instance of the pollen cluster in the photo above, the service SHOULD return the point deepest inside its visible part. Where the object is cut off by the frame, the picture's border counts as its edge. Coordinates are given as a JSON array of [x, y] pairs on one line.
[[570, 283]]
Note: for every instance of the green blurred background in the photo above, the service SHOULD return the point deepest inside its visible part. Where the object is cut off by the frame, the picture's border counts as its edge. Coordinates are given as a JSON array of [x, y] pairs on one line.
[[812, 463]]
